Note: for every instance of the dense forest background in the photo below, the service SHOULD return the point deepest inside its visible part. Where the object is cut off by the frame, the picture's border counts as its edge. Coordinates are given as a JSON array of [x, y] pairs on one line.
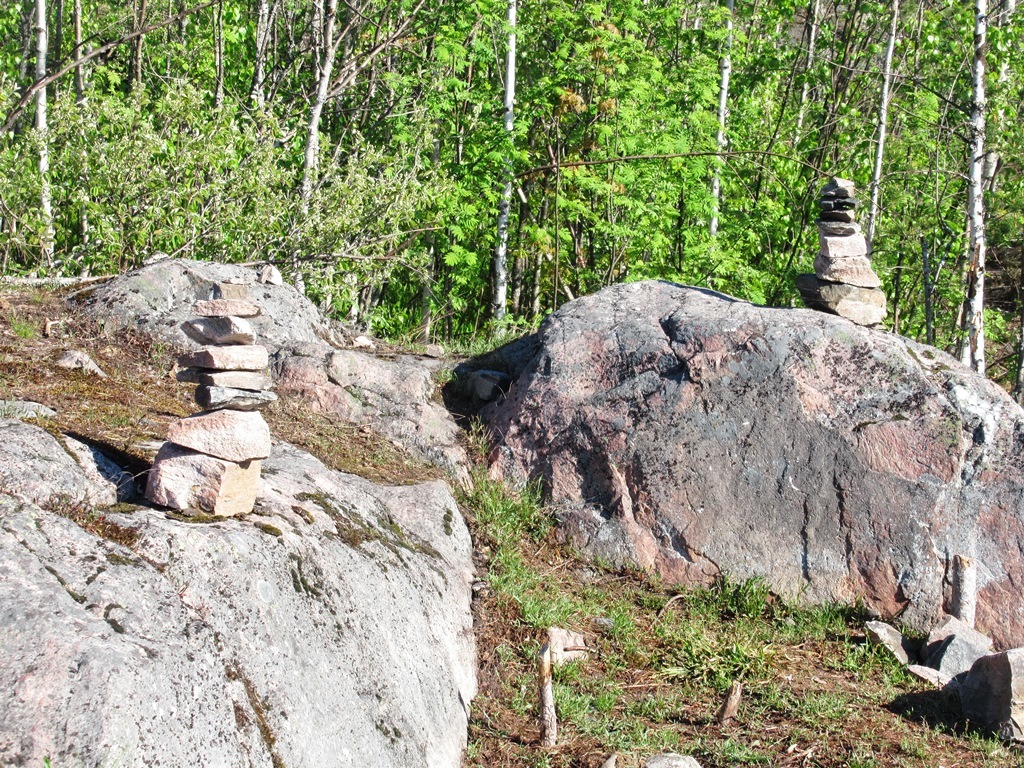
[[362, 146]]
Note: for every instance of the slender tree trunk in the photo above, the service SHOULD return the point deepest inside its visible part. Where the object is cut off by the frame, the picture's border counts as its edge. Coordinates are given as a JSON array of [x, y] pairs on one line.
[[27, 28], [46, 243], [257, 94], [79, 69], [882, 128], [929, 291], [136, 59], [812, 40], [218, 55], [725, 66], [499, 292], [324, 69], [57, 49], [974, 349]]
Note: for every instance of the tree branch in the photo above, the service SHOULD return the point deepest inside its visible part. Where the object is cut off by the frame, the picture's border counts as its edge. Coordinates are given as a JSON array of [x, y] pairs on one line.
[[38, 85]]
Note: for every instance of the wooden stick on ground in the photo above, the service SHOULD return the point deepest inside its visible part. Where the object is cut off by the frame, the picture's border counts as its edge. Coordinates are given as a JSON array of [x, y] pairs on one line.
[[548, 718], [731, 706]]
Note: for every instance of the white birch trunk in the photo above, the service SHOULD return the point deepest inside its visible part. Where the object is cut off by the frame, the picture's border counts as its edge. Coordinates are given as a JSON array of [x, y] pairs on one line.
[[256, 94], [974, 349], [723, 109], [79, 69], [218, 56], [324, 69], [500, 270], [46, 243], [812, 42], [883, 124]]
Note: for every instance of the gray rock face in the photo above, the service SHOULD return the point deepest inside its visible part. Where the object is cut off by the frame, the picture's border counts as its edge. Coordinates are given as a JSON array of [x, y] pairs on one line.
[[992, 694], [680, 430], [25, 409], [34, 467], [863, 306], [338, 633], [953, 647], [214, 398], [396, 397], [158, 298]]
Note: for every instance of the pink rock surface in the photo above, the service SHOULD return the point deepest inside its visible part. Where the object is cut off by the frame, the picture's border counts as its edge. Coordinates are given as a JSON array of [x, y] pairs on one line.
[[195, 482], [231, 435], [233, 379], [844, 246], [687, 432], [230, 358]]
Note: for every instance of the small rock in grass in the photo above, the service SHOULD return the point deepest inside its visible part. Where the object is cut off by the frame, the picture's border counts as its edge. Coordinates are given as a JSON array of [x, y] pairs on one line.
[[75, 359], [25, 409], [671, 760], [929, 675], [566, 646], [880, 633]]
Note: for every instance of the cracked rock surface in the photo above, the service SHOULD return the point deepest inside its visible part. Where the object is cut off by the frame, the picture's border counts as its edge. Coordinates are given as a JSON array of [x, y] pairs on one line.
[[308, 353], [687, 432], [330, 627]]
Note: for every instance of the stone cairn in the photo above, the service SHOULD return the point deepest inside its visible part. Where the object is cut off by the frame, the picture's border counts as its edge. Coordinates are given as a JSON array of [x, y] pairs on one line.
[[843, 282], [211, 461]]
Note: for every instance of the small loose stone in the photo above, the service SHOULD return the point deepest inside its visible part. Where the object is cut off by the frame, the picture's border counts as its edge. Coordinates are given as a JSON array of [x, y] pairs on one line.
[[226, 308]]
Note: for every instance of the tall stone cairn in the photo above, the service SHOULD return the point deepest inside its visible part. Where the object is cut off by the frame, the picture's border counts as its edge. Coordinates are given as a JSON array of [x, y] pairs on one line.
[[211, 461], [843, 282]]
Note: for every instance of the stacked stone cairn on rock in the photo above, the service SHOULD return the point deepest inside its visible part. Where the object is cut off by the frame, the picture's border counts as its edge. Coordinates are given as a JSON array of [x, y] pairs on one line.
[[211, 461], [843, 282]]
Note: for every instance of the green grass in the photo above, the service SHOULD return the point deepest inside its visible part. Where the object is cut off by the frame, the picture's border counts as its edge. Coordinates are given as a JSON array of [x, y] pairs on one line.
[[23, 328], [815, 693]]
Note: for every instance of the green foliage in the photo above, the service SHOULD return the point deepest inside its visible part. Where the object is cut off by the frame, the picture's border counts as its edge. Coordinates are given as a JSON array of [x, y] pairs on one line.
[[612, 153]]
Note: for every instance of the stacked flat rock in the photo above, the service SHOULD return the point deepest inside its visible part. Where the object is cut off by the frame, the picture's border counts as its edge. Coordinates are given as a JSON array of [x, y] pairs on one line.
[[843, 282], [211, 461]]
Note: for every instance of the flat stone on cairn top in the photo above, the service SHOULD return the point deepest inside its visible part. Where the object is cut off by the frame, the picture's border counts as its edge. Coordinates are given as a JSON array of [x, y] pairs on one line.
[[211, 461], [843, 282]]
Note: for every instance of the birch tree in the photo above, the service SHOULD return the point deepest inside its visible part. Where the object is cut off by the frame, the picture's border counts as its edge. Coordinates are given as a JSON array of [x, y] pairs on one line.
[[46, 243], [813, 24], [882, 127], [500, 276], [974, 349], [725, 66]]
